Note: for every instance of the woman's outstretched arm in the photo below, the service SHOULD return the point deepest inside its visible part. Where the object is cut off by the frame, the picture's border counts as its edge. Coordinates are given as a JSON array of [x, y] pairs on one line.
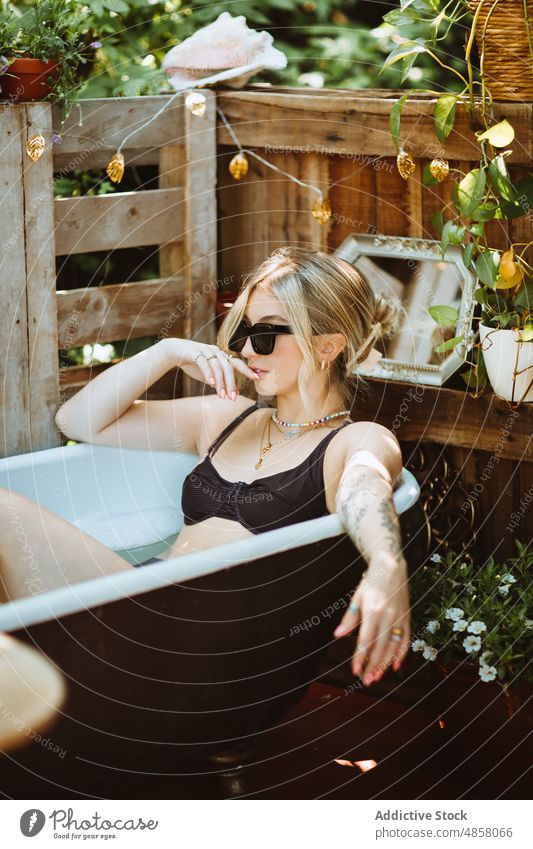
[[381, 601]]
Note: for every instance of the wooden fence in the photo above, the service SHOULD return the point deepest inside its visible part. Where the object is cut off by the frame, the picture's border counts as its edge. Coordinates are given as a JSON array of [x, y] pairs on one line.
[[206, 227]]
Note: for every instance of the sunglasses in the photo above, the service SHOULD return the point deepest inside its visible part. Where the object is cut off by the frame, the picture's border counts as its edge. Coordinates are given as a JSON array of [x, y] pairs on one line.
[[262, 336]]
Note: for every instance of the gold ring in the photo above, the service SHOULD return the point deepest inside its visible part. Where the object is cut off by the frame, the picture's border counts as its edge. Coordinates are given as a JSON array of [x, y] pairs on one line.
[[230, 356], [210, 357], [396, 634]]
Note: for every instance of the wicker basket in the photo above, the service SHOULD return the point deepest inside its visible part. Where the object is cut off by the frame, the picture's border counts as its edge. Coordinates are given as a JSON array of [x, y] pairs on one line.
[[503, 33]]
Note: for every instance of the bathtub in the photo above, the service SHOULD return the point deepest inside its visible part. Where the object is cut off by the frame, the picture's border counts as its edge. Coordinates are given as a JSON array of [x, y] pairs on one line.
[[170, 662]]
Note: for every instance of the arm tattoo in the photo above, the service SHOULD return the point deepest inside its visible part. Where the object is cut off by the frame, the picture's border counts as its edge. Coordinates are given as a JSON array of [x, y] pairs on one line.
[[390, 524], [354, 501]]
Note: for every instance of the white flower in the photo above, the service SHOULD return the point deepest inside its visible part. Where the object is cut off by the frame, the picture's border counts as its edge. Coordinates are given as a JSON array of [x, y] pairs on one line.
[[487, 673], [464, 565], [97, 354], [460, 625], [453, 613], [432, 626], [509, 579], [483, 658], [503, 589], [477, 627], [429, 653], [471, 644], [418, 645], [436, 558], [528, 623], [314, 78]]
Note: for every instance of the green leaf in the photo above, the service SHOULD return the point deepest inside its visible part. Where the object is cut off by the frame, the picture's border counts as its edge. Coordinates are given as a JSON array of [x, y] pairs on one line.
[[401, 52], [477, 229], [485, 211], [395, 119], [526, 335], [437, 222], [487, 267], [524, 298], [443, 315], [468, 253], [444, 116], [471, 190], [480, 295], [500, 135], [474, 381], [427, 177], [499, 178], [448, 345], [116, 5], [524, 201]]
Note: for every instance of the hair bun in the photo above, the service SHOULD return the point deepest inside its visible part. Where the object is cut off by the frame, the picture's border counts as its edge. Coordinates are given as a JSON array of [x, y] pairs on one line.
[[386, 314]]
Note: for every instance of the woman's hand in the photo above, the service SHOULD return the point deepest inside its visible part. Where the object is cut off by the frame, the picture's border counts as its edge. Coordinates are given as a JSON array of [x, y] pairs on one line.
[[382, 602], [209, 364]]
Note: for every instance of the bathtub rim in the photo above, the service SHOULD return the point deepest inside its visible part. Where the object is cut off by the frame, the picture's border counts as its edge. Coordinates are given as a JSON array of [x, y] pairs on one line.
[[83, 595]]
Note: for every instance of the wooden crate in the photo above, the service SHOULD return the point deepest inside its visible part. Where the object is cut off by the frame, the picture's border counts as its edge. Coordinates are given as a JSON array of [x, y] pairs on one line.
[[179, 217]]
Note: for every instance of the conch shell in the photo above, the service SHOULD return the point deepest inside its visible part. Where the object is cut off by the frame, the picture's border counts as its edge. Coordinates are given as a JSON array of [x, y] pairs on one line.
[[225, 50]]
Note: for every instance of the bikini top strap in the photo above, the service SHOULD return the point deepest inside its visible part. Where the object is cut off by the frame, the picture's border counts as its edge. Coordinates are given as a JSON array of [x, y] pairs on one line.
[[232, 425]]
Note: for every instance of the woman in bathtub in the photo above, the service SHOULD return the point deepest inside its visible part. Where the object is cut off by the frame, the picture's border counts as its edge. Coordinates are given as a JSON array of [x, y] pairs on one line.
[[301, 325]]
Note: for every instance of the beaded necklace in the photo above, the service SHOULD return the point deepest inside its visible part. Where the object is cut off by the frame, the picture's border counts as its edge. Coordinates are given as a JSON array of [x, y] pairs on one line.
[[314, 423]]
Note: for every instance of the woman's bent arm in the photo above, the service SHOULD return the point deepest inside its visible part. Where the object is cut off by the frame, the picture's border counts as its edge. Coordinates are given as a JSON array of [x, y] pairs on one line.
[[105, 398]]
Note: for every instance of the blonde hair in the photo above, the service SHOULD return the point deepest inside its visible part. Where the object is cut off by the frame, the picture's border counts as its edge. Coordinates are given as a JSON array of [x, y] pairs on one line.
[[321, 294]]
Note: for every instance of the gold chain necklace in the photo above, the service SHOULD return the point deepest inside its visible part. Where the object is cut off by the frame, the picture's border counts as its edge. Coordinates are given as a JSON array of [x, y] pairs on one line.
[[263, 451]]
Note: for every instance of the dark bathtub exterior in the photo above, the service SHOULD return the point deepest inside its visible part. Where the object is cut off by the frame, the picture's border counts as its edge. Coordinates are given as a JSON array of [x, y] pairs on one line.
[[165, 678]]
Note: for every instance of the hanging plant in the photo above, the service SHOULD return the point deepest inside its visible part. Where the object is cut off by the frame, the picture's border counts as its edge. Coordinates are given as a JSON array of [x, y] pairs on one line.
[[485, 193]]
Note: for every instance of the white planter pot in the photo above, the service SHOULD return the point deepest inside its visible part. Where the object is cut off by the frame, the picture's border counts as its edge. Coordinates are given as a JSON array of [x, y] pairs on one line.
[[509, 363]]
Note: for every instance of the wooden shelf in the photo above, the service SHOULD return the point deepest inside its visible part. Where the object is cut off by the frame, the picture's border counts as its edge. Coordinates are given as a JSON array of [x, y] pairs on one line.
[[449, 417]]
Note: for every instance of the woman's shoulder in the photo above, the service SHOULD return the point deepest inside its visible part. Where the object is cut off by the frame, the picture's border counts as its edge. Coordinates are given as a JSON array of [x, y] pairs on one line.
[[370, 438], [219, 413]]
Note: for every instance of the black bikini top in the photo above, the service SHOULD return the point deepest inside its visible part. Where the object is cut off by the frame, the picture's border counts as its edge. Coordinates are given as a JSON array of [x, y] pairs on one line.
[[295, 495]]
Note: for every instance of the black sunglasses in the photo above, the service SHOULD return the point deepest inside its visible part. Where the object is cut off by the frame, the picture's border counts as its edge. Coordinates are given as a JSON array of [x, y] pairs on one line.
[[262, 336]]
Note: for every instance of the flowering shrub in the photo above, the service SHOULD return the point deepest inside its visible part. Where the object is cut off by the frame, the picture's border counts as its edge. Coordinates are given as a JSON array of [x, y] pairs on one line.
[[483, 614]]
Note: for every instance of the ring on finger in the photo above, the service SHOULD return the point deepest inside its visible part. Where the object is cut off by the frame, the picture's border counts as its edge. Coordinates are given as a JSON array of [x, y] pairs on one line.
[[198, 355], [211, 356]]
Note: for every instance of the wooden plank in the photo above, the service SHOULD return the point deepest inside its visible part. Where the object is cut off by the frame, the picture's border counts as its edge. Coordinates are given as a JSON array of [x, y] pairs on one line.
[[353, 123], [106, 121], [450, 417], [200, 231], [243, 210], [171, 256], [16, 432], [392, 210], [122, 311], [74, 378], [352, 195], [41, 283], [122, 220]]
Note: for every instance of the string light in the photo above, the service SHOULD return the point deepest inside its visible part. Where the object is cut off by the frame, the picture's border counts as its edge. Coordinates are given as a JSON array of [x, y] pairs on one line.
[[238, 168]]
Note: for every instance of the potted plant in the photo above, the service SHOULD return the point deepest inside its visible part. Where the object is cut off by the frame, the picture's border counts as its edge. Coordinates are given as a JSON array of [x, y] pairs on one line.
[[473, 623], [43, 48], [484, 194]]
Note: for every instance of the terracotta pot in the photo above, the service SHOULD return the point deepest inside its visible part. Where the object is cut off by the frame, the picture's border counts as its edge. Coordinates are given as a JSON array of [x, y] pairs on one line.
[[509, 363], [27, 79], [476, 715]]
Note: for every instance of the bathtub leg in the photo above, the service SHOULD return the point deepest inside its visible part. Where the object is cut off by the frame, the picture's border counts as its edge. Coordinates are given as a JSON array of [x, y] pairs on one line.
[[232, 764]]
